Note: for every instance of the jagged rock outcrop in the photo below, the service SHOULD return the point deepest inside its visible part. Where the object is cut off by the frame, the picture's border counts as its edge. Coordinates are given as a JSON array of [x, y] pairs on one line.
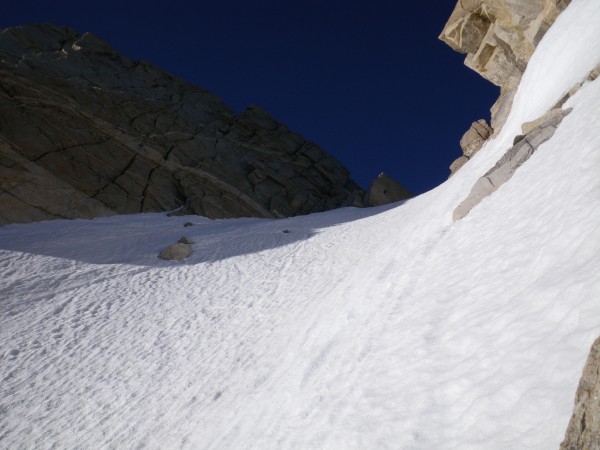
[[384, 189], [471, 143], [475, 137], [86, 131], [583, 432], [499, 37], [514, 158], [534, 133]]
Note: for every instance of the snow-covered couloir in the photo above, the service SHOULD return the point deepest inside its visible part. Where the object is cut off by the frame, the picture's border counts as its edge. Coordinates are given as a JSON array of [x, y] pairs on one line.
[[390, 327]]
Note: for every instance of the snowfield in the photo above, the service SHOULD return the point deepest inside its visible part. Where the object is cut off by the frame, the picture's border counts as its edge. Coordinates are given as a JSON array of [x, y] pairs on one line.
[[389, 327]]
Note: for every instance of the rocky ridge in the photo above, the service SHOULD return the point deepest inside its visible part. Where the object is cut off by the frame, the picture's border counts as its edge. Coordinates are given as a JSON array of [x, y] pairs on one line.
[[86, 132], [498, 38]]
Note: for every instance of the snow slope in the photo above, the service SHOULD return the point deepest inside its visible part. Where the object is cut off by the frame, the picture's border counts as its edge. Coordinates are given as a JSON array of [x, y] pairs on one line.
[[390, 327]]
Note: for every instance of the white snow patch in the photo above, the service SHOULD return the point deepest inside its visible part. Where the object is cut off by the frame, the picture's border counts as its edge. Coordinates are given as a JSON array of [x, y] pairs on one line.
[[382, 328]]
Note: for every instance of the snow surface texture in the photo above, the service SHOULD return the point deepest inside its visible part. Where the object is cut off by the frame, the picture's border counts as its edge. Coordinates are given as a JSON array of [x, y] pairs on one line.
[[391, 327]]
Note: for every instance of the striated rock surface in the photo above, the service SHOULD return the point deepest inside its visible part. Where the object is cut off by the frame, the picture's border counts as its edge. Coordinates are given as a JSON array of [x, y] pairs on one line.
[[514, 158], [471, 143], [475, 137], [583, 432], [499, 37], [384, 189], [30, 192], [86, 131]]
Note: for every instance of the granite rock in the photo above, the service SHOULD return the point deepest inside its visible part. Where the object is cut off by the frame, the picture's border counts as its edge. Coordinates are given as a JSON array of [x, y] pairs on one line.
[[457, 164], [514, 158], [471, 143], [583, 431], [551, 118], [499, 37], [475, 137], [86, 131], [384, 189]]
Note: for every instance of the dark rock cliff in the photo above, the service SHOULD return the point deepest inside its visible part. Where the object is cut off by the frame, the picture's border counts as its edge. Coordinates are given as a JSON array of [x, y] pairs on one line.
[[86, 131]]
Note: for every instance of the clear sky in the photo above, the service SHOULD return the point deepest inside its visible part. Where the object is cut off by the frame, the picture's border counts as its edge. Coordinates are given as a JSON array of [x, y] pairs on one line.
[[367, 80]]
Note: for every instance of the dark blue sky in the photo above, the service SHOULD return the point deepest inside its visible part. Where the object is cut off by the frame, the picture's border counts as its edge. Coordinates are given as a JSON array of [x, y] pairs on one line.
[[367, 80]]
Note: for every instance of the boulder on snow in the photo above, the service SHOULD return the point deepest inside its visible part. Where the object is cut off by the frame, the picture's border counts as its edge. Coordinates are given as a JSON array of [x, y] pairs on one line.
[[176, 252], [583, 432], [185, 240]]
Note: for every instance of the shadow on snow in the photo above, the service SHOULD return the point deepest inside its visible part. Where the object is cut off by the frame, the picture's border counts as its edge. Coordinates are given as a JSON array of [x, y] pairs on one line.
[[138, 239]]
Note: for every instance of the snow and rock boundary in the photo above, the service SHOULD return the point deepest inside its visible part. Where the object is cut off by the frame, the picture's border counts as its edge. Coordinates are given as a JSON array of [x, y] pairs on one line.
[[400, 329]]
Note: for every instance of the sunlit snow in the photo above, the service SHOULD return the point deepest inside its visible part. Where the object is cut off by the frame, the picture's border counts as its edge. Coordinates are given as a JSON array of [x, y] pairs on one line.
[[390, 327]]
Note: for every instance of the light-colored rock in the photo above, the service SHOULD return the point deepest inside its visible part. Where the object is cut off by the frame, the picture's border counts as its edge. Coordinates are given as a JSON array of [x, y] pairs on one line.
[[501, 108], [551, 118], [475, 137], [595, 73], [559, 104], [583, 432], [176, 252], [499, 37], [123, 136], [514, 158], [384, 189], [471, 143], [457, 164]]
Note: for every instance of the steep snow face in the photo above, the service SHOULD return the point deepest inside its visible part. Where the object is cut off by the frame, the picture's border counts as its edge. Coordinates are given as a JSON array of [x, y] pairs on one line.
[[391, 327], [563, 58]]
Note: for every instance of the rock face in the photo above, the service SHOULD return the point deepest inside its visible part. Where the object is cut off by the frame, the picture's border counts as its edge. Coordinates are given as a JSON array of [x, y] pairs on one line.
[[86, 131], [514, 158], [475, 137], [499, 37], [384, 190], [471, 143], [583, 432]]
